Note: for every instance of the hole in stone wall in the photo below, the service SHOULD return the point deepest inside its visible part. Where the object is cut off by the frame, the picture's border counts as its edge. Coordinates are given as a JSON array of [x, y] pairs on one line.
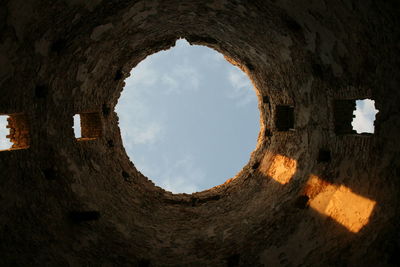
[[255, 166], [50, 173], [364, 116], [233, 260], [41, 91], [106, 110], [324, 155], [87, 126], [110, 143], [284, 118], [343, 112], [143, 263], [84, 216], [354, 116], [266, 100], [5, 143], [77, 126], [58, 46], [14, 132], [189, 119]]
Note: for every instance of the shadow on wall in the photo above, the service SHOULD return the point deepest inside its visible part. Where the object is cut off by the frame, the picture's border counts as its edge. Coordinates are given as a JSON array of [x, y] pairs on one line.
[[338, 202]]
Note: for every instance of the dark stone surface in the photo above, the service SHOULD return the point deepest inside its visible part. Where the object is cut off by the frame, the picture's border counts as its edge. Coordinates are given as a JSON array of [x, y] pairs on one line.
[[301, 54], [324, 155]]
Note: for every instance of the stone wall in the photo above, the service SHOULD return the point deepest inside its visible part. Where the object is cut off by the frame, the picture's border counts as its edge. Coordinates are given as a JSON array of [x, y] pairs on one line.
[[18, 125], [91, 126], [68, 203]]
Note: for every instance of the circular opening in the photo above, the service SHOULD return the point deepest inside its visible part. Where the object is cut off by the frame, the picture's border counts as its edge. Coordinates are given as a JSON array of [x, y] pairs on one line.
[[189, 119]]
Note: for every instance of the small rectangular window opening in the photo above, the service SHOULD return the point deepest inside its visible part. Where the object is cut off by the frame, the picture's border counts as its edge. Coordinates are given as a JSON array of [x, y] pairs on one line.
[[5, 143], [77, 126], [87, 126], [14, 132], [284, 118], [364, 116], [343, 112], [324, 155], [354, 116]]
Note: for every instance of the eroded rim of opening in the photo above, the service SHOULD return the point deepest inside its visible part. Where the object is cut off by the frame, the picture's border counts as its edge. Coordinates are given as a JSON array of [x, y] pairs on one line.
[[252, 163]]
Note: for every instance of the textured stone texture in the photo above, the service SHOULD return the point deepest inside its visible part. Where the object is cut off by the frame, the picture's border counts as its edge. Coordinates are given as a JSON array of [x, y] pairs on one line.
[[69, 203], [91, 126], [18, 126]]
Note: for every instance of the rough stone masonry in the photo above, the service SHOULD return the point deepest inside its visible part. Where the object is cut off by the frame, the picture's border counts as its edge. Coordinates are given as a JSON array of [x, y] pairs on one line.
[[81, 202]]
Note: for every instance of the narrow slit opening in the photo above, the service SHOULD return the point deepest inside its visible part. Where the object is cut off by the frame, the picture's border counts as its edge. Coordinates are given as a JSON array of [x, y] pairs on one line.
[[77, 126]]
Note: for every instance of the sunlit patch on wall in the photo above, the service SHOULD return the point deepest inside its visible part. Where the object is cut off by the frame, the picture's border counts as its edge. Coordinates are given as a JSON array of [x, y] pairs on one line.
[[281, 169], [364, 116], [340, 203]]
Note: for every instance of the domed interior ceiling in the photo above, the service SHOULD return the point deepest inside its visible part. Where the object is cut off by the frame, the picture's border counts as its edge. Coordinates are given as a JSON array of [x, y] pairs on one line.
[[314, 192]]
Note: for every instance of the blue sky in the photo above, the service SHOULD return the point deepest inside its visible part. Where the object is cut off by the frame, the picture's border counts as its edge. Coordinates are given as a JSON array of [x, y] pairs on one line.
[[365, 116], [189, 119], [4, 142]]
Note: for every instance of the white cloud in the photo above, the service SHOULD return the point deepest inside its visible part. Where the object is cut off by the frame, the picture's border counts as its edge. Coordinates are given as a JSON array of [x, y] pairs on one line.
[[189, 76], [134, 134], [138, 132], [364, 116], [182, 78], [178, 184], [218, 57], [182, 175], [143, 75], [145, 124], [177, 176], [241, 87], [238, 78], [146, 135], [170, 83], [148, 73], [214, 59], [137, 125]]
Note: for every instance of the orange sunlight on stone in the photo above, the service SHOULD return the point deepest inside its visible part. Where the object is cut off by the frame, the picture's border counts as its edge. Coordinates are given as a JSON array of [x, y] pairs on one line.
[[281, 168], [340, 203]]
